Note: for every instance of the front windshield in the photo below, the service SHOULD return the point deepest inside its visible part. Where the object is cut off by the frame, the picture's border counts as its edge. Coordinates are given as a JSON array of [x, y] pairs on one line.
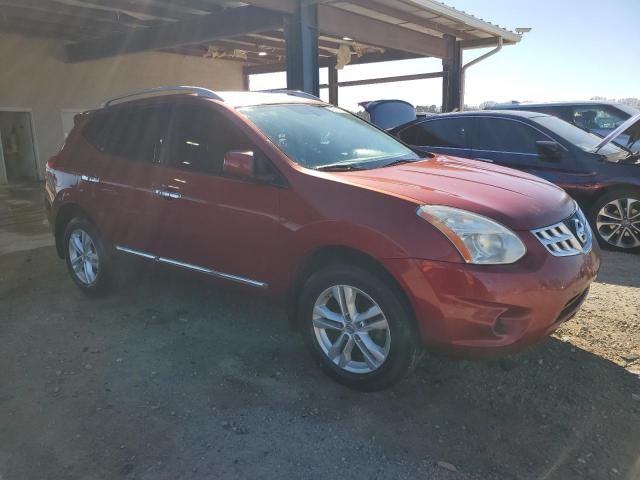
[[584, 140], [628, 109], [320, 136]]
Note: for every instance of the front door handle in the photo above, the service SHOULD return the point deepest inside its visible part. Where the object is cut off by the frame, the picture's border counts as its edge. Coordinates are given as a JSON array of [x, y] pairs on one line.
[[166, 193], [488, 160], [89, 179]]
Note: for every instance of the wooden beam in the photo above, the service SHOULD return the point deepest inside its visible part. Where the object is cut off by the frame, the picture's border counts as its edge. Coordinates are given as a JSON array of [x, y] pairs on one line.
[[409, 17], [236, 21], [335, 21]]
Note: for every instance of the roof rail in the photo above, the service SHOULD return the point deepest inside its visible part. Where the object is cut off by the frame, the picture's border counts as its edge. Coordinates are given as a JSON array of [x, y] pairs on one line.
[[199, 91], [293, 93]]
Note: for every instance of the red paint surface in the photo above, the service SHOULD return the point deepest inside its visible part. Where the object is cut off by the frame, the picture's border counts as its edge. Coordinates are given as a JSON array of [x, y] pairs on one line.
[[266, 232]]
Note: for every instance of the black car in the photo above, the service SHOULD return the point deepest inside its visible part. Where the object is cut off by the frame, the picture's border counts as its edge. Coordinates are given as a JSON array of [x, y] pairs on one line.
[[603, 177], [600, 118]]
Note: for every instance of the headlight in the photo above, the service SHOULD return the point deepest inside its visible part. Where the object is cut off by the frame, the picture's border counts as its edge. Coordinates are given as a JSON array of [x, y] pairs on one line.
[[478, 239]]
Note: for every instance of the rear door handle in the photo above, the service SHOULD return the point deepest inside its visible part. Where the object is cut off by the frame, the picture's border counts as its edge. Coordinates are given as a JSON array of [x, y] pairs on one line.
[[90, 179], [167, 193]]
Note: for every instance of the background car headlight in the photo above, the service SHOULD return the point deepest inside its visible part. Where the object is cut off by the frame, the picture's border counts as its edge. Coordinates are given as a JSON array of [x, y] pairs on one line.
[[478, 239]]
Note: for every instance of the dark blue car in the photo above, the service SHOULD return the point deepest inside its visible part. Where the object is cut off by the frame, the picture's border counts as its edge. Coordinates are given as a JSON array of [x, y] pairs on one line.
[[603, 177]]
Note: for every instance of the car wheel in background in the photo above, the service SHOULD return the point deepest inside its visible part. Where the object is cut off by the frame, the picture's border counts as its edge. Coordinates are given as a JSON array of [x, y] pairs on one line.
[[615, 218], [86, 259], [358, 327]]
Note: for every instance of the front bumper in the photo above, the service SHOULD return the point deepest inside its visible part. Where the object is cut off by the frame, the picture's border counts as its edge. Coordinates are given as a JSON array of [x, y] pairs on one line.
[[473, 310]]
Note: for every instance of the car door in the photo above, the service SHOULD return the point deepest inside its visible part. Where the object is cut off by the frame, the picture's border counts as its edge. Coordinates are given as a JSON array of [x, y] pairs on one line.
[[512, 143], [130, 213], [445, 136], [221, 225]]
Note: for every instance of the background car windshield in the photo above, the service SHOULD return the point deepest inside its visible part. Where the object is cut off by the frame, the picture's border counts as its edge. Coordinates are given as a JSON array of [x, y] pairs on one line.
[[581, 139], [315, 136], [628, 109]]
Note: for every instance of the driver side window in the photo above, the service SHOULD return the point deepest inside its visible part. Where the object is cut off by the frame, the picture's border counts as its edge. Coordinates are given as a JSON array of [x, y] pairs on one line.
[[200, 137]]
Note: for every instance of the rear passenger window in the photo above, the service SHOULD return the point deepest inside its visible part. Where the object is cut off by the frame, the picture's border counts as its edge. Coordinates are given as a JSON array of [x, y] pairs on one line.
[[503, 135], [200, 137], [94, 130], [436, 133], [135, 133]]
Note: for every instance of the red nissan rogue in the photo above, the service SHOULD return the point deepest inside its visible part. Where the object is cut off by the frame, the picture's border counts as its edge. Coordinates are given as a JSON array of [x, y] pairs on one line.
[[375, 249]]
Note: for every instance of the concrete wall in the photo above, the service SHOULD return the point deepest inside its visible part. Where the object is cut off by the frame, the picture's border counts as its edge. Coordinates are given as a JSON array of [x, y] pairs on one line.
[[33, 75]]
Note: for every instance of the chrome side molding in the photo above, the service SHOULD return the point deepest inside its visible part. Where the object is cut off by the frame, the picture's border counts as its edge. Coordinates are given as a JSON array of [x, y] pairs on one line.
[[195, 268]]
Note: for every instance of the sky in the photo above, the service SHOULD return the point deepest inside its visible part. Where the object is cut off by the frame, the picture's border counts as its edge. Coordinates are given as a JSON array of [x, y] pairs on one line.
[[577, 49]]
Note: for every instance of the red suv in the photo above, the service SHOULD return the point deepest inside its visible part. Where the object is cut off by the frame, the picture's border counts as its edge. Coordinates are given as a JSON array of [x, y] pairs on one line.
[[374, 249]]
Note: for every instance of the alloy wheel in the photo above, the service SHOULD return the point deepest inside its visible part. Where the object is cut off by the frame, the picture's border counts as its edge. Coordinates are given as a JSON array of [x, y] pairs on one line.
[[83, 257], [351, 329], [618, 223]]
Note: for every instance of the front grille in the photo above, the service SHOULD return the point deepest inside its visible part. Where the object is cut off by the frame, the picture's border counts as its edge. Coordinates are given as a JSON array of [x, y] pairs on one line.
[[572, 236]]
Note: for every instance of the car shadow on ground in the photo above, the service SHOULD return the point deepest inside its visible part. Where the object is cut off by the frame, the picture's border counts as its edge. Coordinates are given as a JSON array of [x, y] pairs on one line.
[[554, 411], [173, 377]]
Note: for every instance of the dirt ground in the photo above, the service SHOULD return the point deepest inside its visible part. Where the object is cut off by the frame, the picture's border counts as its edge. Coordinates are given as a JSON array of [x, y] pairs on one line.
[[174, 378]]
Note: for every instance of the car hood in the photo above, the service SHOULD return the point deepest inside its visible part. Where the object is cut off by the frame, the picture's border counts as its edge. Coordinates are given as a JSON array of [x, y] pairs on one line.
[[515, 199]]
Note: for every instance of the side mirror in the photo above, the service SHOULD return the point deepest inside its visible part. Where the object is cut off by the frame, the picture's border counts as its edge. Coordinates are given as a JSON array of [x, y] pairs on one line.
[[239, 164], [549, 150]]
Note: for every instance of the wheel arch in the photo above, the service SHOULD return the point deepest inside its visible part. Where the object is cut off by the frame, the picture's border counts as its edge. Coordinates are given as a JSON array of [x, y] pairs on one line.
[[338, 255], [64, 215]]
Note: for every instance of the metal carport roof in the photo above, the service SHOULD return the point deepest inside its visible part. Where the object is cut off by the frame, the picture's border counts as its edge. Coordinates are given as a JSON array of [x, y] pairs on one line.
[[255, 31]]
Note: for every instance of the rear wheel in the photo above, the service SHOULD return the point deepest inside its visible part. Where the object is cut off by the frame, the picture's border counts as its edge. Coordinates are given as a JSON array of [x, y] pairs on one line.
[[86, 259], [358, 327], [616, 220]]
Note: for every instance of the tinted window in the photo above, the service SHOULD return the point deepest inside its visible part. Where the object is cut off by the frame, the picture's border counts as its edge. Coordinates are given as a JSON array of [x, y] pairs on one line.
[[200, 137], [503, 135], [597, 117], [562, 112], [93, 130], [437, 133], [578, 137], [134, 133]]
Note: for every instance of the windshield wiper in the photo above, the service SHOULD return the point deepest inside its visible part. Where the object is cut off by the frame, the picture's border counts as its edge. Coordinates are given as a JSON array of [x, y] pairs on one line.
[[339, 167], [399, 162]]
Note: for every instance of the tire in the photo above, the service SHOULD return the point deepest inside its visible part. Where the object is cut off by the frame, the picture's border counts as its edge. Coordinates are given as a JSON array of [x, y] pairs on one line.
[[620, 211], [82, 241], [360, 365]]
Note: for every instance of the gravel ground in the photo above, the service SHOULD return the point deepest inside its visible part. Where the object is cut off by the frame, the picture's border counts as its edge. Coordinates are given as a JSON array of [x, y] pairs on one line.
[[173, 378]]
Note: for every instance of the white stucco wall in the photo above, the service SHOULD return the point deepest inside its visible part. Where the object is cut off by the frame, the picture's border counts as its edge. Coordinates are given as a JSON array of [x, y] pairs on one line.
[[33, 75]]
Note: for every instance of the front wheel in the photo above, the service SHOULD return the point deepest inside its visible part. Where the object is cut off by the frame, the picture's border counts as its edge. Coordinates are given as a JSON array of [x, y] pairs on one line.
[[358, 327], [615, 218]]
